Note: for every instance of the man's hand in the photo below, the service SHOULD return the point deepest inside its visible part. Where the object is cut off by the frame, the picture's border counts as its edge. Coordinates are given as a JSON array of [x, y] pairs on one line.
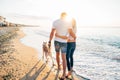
[[72, 33], [75, 38]]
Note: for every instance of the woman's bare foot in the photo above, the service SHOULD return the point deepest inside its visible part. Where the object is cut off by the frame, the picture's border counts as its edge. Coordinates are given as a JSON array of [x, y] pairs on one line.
[[69, 74]]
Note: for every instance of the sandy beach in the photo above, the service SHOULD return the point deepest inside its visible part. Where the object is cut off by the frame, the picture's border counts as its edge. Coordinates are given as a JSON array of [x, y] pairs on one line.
[[21, 62]]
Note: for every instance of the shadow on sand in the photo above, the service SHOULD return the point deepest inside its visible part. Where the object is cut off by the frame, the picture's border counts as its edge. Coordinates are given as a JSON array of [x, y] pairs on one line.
[[57, 74], [48, 73], [34, 72]]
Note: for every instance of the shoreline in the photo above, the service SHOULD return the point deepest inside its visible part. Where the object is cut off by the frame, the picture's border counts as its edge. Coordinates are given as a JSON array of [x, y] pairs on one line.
[[23, 63]]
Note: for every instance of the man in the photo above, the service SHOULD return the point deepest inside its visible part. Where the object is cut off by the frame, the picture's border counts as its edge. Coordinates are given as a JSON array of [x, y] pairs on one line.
[[71, 45], [61, 27]]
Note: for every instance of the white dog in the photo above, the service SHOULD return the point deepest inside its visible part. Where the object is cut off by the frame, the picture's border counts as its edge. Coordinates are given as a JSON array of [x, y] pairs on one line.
[[47, 52]]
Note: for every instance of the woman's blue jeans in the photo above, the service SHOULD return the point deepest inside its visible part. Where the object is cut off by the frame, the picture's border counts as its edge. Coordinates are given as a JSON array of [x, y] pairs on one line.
[[69, 56]]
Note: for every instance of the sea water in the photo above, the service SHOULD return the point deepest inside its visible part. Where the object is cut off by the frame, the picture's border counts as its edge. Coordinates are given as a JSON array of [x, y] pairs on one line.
[[97, 55]]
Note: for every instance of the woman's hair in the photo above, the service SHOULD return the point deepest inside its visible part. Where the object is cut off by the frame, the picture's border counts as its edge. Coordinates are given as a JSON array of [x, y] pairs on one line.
[[73, 22], [74, 25]]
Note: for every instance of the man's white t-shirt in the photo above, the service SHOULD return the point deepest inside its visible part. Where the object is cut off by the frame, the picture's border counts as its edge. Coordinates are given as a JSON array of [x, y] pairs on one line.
[[62, 27]]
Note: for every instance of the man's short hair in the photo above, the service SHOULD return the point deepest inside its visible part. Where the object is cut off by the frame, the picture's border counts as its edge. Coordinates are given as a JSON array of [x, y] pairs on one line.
[[63, 14]]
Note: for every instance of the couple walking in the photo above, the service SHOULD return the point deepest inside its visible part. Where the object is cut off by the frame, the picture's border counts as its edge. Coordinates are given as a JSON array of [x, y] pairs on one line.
[[65, 42]]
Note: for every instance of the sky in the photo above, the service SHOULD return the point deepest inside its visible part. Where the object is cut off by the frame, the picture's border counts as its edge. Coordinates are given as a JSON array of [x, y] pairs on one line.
[[86, 12]]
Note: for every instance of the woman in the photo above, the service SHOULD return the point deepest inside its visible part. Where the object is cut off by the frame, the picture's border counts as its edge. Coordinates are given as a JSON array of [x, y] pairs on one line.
[[71, 45]]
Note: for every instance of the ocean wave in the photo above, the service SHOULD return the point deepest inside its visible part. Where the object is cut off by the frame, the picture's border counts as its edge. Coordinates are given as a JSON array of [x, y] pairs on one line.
[[109, 40]]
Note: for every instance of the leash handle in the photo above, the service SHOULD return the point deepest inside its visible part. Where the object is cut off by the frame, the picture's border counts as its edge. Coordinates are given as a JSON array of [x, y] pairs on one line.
[[49, 44]]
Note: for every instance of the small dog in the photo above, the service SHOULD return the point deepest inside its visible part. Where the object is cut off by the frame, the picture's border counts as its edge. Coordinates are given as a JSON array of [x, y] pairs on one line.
[[47, 51]]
